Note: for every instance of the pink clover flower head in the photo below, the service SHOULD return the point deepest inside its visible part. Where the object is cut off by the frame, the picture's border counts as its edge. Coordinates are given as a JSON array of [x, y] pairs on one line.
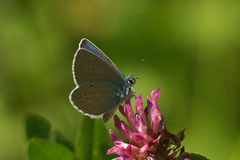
[[148, 136]]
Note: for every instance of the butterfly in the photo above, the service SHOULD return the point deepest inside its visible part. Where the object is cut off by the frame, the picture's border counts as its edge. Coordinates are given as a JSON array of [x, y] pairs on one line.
[[100, 86]]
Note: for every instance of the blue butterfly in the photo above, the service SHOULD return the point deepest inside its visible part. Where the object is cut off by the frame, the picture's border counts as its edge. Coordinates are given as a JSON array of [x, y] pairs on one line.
[[100, 86]]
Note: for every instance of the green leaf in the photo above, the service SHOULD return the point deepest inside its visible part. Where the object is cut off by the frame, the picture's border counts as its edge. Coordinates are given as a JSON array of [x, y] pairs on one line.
[[84, 141], [37, 126], [39, 149], [101, 141], [93, 141], [59, 138], [195, 156]]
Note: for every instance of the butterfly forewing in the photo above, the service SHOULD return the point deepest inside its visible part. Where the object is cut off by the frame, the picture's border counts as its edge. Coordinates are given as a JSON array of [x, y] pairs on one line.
[[86, 44], [87, 67], [92, 95]]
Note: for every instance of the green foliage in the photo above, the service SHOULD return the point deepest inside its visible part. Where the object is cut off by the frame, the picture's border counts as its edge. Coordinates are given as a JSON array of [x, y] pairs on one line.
[[59, 138], [195, 156], [92, 141], [37, 126], [84, 141], [101, 141], [42, 149]]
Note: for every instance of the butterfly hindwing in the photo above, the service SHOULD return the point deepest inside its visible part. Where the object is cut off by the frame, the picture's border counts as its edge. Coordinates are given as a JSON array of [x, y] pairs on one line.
[[95, 98]]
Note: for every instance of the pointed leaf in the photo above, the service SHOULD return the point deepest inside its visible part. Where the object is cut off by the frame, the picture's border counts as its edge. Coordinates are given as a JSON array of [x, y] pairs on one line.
[[39, 149], [195, 156], [83, 146], [37, 126], [101, 141]]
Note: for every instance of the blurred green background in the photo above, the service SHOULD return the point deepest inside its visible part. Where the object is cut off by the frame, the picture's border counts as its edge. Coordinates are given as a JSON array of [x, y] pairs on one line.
[[191, 51]]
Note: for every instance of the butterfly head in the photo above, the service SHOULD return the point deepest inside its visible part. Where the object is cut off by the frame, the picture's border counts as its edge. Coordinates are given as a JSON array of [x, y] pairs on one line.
[[131, 80]]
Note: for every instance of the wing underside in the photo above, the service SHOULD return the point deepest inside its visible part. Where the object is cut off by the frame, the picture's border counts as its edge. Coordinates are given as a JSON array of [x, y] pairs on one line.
[[86, 44], [95, 98]]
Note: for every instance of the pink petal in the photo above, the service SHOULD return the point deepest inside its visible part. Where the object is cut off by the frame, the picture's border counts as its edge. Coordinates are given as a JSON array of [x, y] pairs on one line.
[[149, 111], [126, 129], [113, 136], [118, 125], [125, 156], [155, 94], [128, 108], [144, 149], [121, 144], [128, 132], [130, 115], [142, 137], [139, 108], [154, 112], [155, 125], [146, 113], [113, 150], [149, 105], [140, 124], [127, 112], [121, 109], [155, 109], [118, 158], [128, 150]]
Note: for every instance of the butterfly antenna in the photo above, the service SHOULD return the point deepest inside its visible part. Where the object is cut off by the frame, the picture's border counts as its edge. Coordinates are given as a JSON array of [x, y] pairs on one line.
[[136, 67]]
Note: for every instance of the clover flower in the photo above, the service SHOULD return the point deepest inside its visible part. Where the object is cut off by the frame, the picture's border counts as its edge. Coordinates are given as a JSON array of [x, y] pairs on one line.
[[149, 138]]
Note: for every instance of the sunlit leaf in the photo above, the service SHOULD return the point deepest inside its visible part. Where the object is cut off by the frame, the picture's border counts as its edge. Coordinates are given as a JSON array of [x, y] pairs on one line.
[[39, 149], [84, 141], [101, 141], [195, 156]]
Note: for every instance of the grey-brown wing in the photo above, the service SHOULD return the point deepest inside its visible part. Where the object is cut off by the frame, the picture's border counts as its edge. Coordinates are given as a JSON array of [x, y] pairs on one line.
[[86, 44], [87, 67], [95, 98]]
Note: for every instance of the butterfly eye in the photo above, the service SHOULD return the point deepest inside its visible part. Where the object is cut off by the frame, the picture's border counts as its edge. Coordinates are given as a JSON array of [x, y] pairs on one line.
[[131, 80]]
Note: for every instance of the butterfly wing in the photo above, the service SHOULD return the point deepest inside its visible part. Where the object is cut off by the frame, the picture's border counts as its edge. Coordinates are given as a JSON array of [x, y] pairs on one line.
[[98, 83], [92, 95], [88, 67], [86, 44]]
